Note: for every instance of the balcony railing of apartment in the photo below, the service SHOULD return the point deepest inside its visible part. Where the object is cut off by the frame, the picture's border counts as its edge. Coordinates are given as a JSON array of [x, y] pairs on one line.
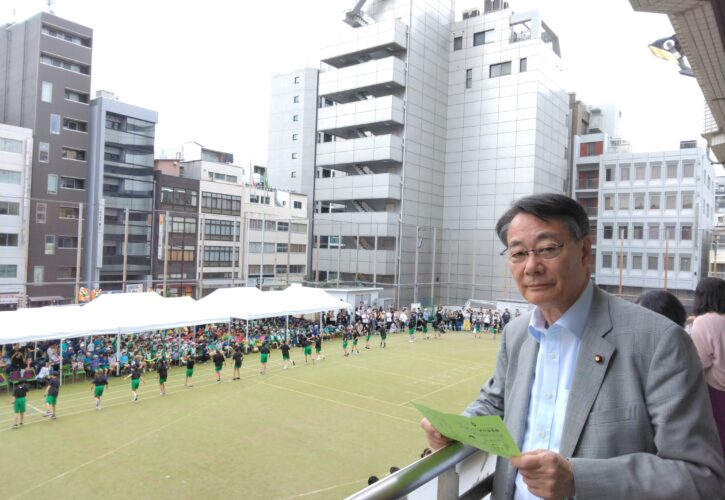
[[591, 211], [587, 184], [453, 468]]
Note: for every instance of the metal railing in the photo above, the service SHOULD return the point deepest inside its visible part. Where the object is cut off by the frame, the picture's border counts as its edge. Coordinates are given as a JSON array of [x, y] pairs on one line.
[[456, 471]]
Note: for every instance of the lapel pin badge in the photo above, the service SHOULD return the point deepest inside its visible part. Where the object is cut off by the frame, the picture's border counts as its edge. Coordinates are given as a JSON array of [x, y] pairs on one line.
[[598, 358]]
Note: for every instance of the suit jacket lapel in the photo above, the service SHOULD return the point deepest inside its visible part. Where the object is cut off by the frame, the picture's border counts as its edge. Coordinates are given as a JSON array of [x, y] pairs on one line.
[[595, 354]]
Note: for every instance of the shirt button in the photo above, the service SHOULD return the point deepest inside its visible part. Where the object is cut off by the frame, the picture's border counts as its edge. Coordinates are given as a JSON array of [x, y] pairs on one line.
[[548, 395], [542, 434]]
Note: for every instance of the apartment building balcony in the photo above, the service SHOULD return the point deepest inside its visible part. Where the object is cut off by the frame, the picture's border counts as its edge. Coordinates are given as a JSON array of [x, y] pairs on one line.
[[379, 149], [359, 187], [587, 184], [375, 115], [376, 78], [373, 41], [357, 261], [380, 224]]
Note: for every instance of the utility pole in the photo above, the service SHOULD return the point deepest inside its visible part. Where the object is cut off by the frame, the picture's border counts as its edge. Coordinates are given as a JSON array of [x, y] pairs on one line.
[[78, 251]]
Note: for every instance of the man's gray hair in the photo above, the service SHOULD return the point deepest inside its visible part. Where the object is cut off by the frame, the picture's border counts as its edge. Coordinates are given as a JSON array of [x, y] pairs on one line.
[[547, 206]]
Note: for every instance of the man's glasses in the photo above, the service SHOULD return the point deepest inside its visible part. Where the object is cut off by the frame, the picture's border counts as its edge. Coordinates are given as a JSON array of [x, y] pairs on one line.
[[547, 252]]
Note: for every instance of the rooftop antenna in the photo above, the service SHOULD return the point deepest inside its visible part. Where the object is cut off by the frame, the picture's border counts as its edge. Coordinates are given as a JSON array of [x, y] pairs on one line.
[[50, 4]]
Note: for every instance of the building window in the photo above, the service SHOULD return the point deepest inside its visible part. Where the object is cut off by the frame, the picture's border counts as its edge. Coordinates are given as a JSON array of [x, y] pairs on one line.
[[607, 231], [223, 230], [66, 273], [72, 183], [688, 170], [655, 171], [295, 118], [8, 240], [638, 231], [298, 204], [653, 262], [523, 64], [65, 36], [77, 125], [296, 99], [297, 269], [216, 203], [672, 170], [653, 232], [469, 78], [281, 247], [622, 231], [501, 69], [46, 92], [43, 152], [639, 201], [38, 274], [685, 263], [670, 201], [75, 96], [482, 37], [609, 173], [457, 43], [297, 79], [218, 256], [52, 183], [624, 201], [67, 242], [607, 260], [184, 225], [624, 171], [687, 197], [41, 213], [654, 201], [294, 157], [68, 213], [639, 171], [9, 177], [9, 208], [73, 154], [295, 137], [670, 262], [49, 244], [72, 66], [637, 261], [8, 271], [686, 232], [11, 145], [283, 226], [54, 124], [670, 231], [179, 197], [297, 248], [608, 202]]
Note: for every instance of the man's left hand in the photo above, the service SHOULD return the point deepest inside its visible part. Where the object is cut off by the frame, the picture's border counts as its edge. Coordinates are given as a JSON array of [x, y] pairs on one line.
[[547, 474]]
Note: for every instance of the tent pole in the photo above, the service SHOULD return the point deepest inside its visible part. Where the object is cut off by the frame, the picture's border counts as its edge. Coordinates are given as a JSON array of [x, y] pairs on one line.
[[178, 346], [118, 354], [60, 348], [247, 339], [286, 326]]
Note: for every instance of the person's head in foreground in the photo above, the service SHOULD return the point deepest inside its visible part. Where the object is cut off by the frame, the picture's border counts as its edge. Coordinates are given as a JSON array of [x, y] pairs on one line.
[[709, 296], [548, 249], [664, 303]]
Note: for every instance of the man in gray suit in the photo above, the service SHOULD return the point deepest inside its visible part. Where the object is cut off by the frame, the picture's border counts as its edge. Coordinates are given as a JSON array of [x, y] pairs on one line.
[[605, 398]]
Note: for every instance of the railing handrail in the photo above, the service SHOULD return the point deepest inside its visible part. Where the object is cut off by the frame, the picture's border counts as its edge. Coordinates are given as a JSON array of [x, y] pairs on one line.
[[416, 474]]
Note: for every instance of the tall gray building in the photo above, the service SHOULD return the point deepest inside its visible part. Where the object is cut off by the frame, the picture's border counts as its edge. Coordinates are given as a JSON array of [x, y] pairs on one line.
[[45, 81], [427, 130], [120, 194]]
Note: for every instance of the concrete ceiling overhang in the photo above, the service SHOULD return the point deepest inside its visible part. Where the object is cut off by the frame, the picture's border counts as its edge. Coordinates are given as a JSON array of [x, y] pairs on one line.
[[700, 28]]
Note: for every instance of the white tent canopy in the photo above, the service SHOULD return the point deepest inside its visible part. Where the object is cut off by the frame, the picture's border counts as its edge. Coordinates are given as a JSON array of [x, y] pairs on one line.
[[127, 313]]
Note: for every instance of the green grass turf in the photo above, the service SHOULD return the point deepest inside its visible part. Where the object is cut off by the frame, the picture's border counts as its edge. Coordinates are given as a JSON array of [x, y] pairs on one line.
[[312, 431]]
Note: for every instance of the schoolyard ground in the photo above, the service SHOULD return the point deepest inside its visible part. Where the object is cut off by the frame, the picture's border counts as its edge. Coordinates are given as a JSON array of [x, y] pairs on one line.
[[313, 431]]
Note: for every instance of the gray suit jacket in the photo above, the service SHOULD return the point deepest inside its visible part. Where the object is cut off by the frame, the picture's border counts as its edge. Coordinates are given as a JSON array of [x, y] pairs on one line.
[[638, 423]]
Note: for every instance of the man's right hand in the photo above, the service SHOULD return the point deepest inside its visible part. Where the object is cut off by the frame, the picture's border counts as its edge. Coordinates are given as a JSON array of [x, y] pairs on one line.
[[435, 439]]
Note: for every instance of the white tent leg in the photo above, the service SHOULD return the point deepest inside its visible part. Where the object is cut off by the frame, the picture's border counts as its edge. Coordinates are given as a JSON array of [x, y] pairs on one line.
[[118, 355]]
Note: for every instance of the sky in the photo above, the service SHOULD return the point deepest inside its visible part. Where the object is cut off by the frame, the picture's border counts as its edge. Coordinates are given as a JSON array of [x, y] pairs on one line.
[[206, 66]]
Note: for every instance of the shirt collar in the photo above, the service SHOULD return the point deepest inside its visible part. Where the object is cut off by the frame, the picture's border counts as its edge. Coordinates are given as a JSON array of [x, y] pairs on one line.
[[573, 320]]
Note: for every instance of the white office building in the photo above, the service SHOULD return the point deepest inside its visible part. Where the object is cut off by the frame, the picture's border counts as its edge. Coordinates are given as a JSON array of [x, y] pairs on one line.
[[16, 152], [653, 214], [428, 129]]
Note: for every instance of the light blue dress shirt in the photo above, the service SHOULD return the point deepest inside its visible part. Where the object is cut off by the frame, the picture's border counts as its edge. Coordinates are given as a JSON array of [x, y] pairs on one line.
[[558, 352]]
